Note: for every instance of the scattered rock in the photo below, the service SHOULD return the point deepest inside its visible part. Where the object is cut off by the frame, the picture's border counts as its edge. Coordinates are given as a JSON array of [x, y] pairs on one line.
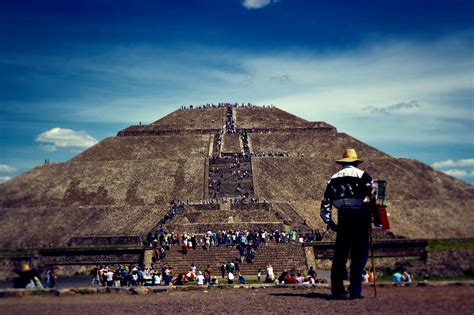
[[139, 290], [64, 292]]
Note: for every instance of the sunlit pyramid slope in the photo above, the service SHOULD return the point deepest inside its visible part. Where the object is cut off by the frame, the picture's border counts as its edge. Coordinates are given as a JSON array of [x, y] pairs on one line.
[[274, 164]]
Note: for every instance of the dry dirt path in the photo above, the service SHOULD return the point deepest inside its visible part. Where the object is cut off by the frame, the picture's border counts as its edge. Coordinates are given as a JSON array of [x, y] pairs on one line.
[[420, 300]]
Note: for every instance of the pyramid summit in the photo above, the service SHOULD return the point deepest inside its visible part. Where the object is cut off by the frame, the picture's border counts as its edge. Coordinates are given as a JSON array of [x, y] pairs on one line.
[[228, 167]]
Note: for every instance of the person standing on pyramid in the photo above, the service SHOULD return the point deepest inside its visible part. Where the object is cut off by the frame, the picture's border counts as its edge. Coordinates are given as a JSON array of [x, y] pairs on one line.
[[350, 191]]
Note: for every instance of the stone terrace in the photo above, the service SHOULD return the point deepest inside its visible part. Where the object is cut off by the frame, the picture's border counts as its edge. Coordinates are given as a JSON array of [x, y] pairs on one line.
[[148, 148], [87, 198], [244, 216], [207, 118], [322, 144], [271, 118], [107, 183], [124, 185]]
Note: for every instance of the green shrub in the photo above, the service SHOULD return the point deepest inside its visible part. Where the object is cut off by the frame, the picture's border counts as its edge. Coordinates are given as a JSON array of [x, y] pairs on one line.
[[446, 244]]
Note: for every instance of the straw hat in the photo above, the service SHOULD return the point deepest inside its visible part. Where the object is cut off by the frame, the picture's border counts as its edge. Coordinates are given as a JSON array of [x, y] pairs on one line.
[[349, 156]]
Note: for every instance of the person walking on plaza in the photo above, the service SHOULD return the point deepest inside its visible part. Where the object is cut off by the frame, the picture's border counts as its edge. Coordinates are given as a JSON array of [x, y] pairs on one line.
[[350, 191]]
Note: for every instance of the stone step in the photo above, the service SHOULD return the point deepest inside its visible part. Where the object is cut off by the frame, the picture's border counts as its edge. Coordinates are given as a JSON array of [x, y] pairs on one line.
[[230, 187], [229, 161], [280, 256], [230, 216], [229, 170], [230, 181], [217, 226], [227, 194]]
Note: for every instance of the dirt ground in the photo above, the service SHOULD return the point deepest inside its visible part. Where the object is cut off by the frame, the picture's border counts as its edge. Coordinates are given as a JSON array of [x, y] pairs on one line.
[[421, 300]]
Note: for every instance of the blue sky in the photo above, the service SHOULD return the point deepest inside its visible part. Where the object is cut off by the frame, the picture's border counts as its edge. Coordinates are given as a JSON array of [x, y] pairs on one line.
[[395, 74]]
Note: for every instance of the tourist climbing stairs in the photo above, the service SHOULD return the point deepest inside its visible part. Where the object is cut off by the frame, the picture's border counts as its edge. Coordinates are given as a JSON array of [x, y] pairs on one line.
[[230, 177], [280, 256]]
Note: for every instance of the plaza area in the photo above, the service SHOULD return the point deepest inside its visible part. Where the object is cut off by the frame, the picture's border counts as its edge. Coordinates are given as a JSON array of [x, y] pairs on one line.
[[444, 299]]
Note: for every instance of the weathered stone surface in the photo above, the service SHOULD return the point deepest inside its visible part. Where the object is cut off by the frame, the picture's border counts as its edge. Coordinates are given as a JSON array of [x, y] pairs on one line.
[[122, 187]]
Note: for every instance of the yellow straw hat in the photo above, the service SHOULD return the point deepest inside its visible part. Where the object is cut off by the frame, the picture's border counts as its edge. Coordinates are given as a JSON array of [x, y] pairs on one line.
[[349, 156]]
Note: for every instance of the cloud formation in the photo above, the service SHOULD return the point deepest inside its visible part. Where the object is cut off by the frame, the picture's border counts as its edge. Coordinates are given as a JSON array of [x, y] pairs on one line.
[[7, 169], [459, 173], [391, 108], [67, 139], [462, 169], [281, 78], [333, 86], [451, 163], [4, 178], [256, 4]]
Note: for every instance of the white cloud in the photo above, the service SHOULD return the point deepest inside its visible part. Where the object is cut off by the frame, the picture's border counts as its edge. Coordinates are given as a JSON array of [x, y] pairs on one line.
[[256, 4], [451, 163], [150, 82], [6, 169], [391, 108], [4, 178], [48, 147], [281, 78], [463, 168], [68, 139], [459, 173]]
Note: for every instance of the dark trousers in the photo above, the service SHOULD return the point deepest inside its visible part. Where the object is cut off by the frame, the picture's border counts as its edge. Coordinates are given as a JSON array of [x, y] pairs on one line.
[[353, 237]]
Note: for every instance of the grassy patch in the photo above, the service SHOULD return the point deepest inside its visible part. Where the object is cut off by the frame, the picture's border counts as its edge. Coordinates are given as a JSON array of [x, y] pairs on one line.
[[254, 281], [86, 291], [446, 244], [451, 278], [38, 292]]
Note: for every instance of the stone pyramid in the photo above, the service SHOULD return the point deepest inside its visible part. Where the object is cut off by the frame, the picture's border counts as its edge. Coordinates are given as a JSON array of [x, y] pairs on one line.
[[204, 159]]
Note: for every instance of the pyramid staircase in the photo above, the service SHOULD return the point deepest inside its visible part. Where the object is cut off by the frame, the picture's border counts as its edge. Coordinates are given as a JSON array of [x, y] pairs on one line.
[[280, 256]]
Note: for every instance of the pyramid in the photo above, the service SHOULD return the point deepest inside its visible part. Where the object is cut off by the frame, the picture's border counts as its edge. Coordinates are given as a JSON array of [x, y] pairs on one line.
[[204, 159]]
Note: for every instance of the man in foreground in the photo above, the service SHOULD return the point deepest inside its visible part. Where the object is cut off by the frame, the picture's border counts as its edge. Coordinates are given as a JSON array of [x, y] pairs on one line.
[[350, 191]]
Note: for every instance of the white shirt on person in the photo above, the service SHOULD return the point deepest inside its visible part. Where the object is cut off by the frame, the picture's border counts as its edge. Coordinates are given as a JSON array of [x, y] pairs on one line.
[[110, 276], [157, 279], [200, 279]]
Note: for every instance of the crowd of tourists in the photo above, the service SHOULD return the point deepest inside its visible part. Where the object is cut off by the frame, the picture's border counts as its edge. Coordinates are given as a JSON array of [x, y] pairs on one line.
[[220, 105], [246, 242], [132, 275], [123, 276], [245, 141], [269, 154], [230, 123], [237, 174], [174, 209], [219, 139]]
